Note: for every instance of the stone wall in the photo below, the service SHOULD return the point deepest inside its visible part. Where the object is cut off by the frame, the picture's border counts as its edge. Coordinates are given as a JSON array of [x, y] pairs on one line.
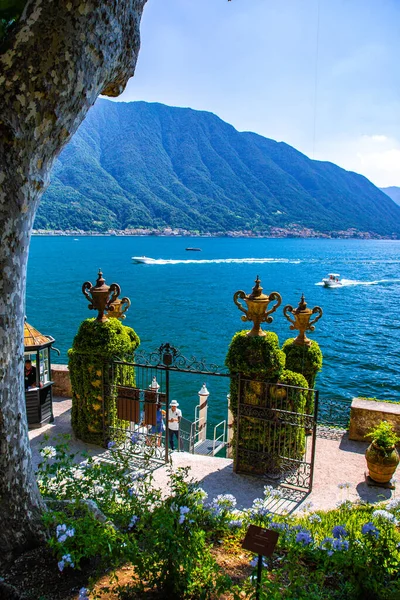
[[365, 414], [62, 382]]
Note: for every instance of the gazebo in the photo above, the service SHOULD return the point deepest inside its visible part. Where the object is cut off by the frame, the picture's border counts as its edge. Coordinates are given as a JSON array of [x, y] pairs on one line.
[[38, 384]]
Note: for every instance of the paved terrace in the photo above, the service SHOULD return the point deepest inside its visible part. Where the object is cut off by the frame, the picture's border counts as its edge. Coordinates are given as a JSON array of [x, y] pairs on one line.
[[338, 460]]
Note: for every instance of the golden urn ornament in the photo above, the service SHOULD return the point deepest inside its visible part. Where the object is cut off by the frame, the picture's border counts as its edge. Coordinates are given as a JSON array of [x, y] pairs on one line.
[[301, 320], [102, 297], [117, 308], [257, 307]]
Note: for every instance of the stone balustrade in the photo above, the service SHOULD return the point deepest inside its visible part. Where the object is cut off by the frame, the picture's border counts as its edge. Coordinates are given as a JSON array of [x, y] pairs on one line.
[[61, 379], [365, 414]]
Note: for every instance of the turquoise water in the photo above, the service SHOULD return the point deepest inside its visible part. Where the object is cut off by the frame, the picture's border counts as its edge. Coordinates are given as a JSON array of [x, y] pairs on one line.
[[186, 300]]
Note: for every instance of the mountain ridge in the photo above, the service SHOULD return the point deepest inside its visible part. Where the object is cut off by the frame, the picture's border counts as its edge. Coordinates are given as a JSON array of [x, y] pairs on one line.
[[139, 164], [393, 192]]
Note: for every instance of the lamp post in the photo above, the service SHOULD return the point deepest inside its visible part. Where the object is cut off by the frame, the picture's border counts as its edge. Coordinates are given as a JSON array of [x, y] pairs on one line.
[[257, 307], [102, 296], [301, 320], [203, 406]]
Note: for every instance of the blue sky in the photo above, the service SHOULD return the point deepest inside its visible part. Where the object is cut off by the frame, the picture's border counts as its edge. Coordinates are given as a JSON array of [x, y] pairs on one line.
[[321, 75]]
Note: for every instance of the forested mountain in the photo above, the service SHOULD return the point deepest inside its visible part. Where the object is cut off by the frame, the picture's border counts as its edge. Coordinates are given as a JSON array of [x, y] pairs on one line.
[[393, 193], [150, 165]]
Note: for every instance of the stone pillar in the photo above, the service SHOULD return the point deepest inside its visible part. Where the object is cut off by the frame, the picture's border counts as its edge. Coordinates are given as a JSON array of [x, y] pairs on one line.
[[203, 406]]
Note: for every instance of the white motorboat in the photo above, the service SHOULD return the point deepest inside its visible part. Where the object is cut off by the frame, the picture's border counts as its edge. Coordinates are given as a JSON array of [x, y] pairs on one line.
[[145, 260], [332, 280]]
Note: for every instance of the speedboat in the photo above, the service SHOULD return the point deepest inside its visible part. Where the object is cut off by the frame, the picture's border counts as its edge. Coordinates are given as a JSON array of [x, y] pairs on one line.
[[194, 249], [332, 280], [144, 260]]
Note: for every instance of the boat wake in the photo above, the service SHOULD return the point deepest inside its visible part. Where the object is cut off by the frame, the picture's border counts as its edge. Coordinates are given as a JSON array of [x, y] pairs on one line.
[[352, 282], [162, 261]]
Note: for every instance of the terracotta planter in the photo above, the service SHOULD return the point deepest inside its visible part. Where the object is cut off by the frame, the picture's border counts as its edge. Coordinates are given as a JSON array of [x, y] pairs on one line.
[[380, 466]]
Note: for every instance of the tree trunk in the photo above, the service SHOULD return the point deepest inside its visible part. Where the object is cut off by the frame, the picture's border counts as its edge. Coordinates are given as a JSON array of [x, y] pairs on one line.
[[53, 65]]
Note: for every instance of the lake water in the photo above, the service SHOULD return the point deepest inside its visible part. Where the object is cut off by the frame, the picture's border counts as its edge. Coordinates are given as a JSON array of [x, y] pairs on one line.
[[186, 299]]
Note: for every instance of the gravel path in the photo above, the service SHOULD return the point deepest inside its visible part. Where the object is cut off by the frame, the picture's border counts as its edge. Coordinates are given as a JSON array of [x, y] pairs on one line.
[[338, 460]]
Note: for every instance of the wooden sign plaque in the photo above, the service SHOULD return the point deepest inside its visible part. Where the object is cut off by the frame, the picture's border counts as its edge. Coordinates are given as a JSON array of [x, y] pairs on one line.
[[260, 541]]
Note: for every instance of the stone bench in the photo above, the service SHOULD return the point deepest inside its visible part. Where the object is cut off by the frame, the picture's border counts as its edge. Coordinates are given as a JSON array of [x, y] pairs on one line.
[[61, 379], [365, 414]]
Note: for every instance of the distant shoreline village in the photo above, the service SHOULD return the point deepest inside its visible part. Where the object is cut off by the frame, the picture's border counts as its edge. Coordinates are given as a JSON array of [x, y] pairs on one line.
[[292, 231]]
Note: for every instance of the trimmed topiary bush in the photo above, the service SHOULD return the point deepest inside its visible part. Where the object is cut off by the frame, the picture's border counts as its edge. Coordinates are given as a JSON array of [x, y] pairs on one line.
[[270, 441], [306, 360], [94, 348]]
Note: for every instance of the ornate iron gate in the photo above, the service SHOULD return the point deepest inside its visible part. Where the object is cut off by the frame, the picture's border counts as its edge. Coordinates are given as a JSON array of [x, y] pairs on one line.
[[273, 438], [141, 389]]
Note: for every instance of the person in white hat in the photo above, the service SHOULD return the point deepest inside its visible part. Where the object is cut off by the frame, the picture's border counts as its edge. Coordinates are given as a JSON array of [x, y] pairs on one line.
[[174, 417]]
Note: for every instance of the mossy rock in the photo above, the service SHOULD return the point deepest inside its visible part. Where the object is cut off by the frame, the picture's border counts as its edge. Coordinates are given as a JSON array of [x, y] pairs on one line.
[[93, 379]]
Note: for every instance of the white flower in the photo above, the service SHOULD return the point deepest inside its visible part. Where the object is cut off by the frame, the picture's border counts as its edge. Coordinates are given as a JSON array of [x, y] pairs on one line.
[[385, 515], [48, 452], [306, 507], [393, 504], [344, 486], [314, 518]]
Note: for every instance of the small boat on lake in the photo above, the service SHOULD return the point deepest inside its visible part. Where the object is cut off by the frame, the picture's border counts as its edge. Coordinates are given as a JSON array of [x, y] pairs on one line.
[[143, 260], [332, 280], [193, 249]]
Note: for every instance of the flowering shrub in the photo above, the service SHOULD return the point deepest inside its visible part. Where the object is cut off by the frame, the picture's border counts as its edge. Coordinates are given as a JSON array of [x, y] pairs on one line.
[[108, 511]]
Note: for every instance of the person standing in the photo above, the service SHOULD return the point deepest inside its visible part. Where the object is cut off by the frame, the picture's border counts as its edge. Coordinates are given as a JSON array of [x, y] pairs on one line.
[[30, 375], [174, 418]]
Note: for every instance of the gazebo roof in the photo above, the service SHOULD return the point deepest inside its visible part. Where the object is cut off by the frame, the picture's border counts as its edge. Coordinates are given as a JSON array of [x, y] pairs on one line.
[[32, 337]]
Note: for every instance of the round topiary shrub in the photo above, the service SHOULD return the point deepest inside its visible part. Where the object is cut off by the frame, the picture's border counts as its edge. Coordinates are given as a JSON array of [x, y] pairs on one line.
[[306, 360], [94, 348]]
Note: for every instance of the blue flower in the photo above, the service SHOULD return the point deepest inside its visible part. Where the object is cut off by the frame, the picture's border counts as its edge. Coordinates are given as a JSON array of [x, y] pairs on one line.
[[134, 438], [254, 562], [133, 522], [339, 532], [340, 544], [66, 561], [278, 526], [111, 445], [304, 537], [370, 529], [326, 545], [83, 594]]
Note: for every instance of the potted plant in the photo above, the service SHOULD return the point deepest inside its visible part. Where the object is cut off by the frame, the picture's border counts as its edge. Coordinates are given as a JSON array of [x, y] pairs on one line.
[[382, 456]]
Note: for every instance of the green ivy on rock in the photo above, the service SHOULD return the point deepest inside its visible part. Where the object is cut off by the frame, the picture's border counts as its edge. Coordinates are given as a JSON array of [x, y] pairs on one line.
[[94, 348]]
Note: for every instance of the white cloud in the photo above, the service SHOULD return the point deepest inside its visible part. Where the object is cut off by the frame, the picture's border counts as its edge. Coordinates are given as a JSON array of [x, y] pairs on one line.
[[377, 157]]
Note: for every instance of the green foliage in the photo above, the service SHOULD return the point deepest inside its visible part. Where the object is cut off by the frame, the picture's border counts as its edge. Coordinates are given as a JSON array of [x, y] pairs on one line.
[[383, 436], [260, 363], [352, 552], [94, 348], [198, 173], [164, 538], [260, 356], [306, 360]]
